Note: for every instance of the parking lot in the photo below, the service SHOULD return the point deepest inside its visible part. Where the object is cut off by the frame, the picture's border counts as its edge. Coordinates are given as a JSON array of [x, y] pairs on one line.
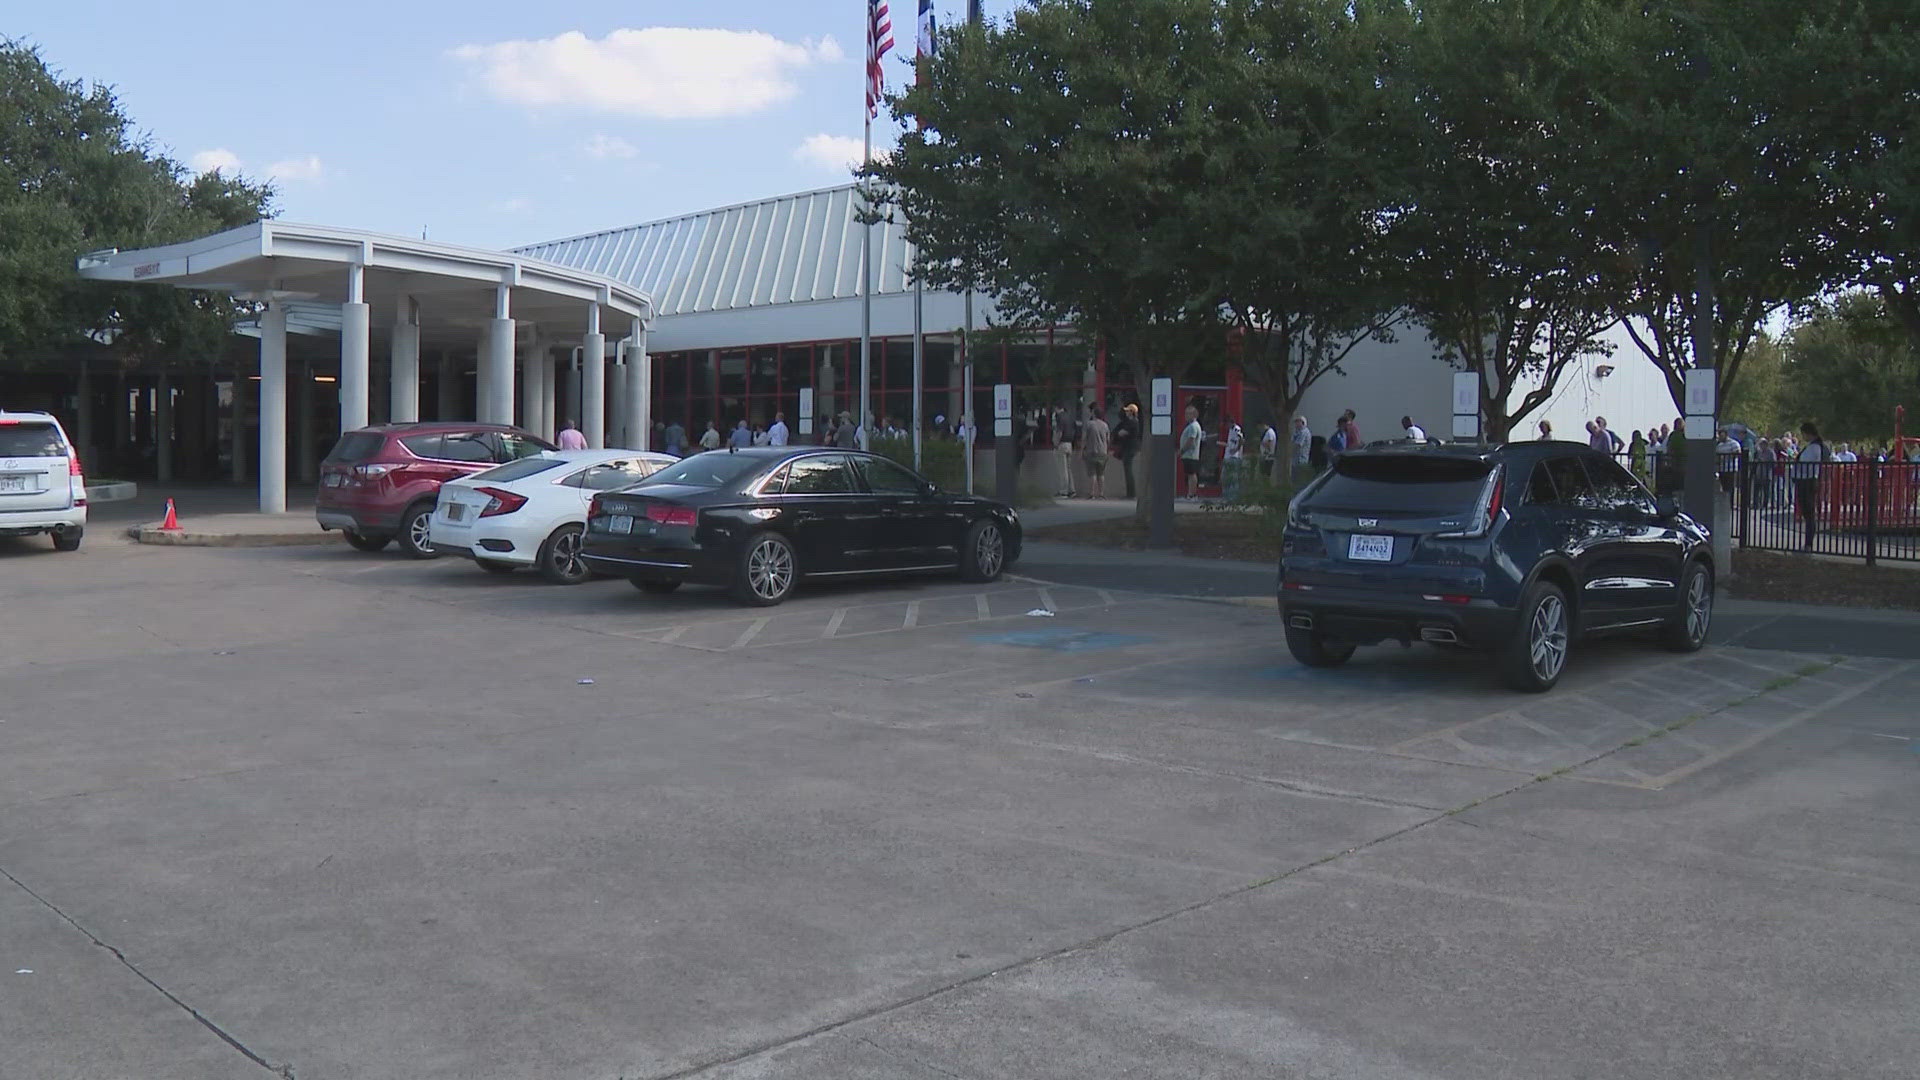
[[335, 815]]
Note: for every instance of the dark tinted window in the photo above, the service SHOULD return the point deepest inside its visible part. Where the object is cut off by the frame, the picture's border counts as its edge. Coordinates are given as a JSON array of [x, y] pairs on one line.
[[1615, 487], [357, 446], [1571, 484], [825, 474], [775, 484], [474, 446], [710, 470], [29, 439], [514, 447], [427, 446], [1406, 483], [888, 478], [609, 475], [1540, 489], [515, 470]]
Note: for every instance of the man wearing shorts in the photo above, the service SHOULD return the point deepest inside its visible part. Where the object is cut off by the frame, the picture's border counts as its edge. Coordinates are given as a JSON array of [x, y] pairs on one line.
[[1096, 442], [1192, 438]]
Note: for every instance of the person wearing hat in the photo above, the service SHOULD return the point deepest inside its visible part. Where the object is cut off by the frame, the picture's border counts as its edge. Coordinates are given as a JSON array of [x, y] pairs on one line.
[[1126, 440]]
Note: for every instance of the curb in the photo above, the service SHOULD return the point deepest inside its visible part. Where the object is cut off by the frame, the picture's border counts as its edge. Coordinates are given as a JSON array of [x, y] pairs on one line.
[[104, 493], [151, 533]]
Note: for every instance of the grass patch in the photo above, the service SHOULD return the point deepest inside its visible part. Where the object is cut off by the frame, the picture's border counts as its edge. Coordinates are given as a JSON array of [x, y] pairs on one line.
[[1801, 579]]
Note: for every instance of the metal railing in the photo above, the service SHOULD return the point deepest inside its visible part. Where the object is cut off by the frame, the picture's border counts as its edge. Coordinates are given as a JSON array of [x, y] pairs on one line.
[[1868, 510]]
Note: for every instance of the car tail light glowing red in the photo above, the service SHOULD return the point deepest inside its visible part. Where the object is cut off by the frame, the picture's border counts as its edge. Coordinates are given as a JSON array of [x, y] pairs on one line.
[[1493, 504], [672, 515], [593, 507], [73, 466], [501, 501]]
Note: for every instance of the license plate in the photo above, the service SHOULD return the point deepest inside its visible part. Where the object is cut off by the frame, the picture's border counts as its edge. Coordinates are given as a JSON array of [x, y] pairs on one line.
[[455, 511], [620, 523], [13, 483], [332, 479], [1364, 548]]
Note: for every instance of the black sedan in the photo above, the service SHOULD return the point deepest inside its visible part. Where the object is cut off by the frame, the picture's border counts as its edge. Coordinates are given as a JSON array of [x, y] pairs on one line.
[[759, 521]]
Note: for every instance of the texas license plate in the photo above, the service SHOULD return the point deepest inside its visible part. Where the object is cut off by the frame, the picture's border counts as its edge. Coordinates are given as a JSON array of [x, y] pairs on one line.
[[1364, 548], [13, 483], [455, 511], [620, 523]]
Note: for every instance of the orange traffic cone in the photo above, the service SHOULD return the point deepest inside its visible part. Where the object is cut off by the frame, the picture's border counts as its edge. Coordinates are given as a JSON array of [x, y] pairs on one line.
[[171, 524]]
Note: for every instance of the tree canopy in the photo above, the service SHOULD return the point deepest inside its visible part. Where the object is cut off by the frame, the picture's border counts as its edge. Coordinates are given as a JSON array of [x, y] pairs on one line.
[[76, 176]]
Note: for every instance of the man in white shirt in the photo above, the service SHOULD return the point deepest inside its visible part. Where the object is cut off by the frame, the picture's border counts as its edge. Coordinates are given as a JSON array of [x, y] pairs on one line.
[[1269, 446], [1192, 438], [777, 434], [1302, 443], [1414, 432]]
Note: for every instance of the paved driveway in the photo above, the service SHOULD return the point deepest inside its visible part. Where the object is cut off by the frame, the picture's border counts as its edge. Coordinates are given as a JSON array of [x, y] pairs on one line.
[[334, 815]]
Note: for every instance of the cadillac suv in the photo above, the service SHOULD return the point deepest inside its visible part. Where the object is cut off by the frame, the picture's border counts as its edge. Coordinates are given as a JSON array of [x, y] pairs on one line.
[[1514, 551], [379, 483]]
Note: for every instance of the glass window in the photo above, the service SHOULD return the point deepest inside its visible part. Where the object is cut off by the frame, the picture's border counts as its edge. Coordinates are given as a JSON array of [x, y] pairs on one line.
[[1571, 485], [796, 367], [709, 470], [822, 474], [515, 446], [357, 446], [888, 478], [1615, 488], [516, 470], [609, 475], [33, 440], [775, 484], [733, 374], [763, 371], [471, 446], [1406, 483], [1540, 490]]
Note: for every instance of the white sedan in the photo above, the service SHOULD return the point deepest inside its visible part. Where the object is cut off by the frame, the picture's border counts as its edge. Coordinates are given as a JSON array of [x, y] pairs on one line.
[[531, 512]]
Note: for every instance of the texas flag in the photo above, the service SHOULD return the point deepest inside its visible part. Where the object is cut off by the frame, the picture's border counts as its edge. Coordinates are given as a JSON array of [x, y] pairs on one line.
[[926, 28]]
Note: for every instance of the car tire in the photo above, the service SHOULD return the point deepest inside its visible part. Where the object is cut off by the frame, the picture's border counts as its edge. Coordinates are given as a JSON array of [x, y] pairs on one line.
[[415, 530], [983, 553], [68, 539], [1536, 654], [1687, 630], [368, 541], [767, 572], [495, 566], [654, 587], [1313, 650], [559, 558]]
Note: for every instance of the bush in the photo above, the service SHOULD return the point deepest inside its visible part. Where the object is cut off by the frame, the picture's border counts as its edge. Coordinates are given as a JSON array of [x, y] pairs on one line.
[[942, 461], [1259, 495]]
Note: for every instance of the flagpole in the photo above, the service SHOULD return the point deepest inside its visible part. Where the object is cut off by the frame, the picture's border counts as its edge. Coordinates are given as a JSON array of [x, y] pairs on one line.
[[865, 419], [966, 352]]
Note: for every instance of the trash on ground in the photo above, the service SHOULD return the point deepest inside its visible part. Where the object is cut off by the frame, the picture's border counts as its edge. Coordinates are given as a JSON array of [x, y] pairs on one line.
[[1040, 613], [584, 682]]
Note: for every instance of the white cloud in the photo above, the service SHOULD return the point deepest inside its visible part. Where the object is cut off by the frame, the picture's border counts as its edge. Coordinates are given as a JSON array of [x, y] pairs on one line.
[[219, 159], [510, 206], [602, 147], [306, 168], [664, 72], [836, 153]]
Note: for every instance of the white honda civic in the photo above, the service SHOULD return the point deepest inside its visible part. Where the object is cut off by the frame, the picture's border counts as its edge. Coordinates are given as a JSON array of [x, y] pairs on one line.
[[531, 512]]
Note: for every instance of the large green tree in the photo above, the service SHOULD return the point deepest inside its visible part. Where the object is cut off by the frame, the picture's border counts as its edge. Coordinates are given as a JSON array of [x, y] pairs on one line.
[[1062, 162], [76, 176], [1848, 363]]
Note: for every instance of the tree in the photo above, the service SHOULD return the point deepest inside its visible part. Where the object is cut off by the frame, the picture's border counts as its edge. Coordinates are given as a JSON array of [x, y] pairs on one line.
[[1848, 363], [75, 176], [1498, 254], [1061, 163]]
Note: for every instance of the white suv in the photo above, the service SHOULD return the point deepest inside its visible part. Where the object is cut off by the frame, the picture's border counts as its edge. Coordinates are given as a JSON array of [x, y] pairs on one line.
[[41, 489]]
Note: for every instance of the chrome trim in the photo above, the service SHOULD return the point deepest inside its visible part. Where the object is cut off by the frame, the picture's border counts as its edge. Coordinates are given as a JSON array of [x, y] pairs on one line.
[[637, 562], [882, 570], [1629, 583]]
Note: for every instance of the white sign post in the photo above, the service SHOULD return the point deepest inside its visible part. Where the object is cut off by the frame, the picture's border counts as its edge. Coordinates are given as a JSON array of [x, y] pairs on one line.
[[1161, 414], [1466, 405], [806, 410], [1002, 410], [1702, 397]]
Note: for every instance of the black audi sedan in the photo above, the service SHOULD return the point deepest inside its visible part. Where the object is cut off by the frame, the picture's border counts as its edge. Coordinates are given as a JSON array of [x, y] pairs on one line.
[[760, 521], [1516, 551]]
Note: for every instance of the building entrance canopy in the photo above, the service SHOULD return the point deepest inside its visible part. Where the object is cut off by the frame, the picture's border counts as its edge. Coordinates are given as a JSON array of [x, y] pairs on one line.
[[437, 293]]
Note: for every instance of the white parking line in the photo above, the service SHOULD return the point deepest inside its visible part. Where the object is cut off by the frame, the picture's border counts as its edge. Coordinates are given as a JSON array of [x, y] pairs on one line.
[[913, 615], [751, 632], [833, 624]]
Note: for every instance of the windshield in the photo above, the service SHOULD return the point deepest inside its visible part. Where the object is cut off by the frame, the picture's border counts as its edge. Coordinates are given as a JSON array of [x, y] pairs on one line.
[[1400, 483], [31, 440], [709, 470], [516, 470], [357, 446]]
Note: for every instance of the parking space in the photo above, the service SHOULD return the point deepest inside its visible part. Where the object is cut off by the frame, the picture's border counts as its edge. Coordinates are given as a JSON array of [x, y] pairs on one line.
[[369, 816]]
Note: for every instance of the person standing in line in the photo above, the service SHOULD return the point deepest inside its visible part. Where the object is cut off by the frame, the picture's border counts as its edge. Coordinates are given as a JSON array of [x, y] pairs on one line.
[[1096, 443], [777, 434], [1126, 440], [843, 434], [1269, 448], [1192, 438], [1637, 455], [675, 439], [1415, 433], [760, 436], [1597, 436], [1232, 458], [1763, 467], [570, 437], [710, 438], [1302, 439], [1337, 442], [1806, 476], [742, 437], [1727, 460], [1350, 423], [1063, 450], [1546, 431]]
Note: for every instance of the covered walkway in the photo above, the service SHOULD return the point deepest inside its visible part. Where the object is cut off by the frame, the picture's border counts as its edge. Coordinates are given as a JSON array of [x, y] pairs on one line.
[[412, 296]]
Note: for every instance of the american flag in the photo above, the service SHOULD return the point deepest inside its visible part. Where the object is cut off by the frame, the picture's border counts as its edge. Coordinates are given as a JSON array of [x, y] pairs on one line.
[[879, 43]]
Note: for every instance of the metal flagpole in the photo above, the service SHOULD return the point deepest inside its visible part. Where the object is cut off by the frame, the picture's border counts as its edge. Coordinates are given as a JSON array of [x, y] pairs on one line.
[[865, 419], [969, 428], [919, 368]]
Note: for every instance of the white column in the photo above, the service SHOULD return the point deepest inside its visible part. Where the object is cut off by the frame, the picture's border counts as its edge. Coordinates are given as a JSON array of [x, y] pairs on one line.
[[403, 362], [356, 348], [549, 395], [593, 381], [497, 368], [639, 391], [273, 405], [163, 427], [617, 395], [530, 384]]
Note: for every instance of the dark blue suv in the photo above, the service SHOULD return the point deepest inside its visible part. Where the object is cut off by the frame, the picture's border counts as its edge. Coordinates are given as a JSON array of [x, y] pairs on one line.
[[1516, 551]]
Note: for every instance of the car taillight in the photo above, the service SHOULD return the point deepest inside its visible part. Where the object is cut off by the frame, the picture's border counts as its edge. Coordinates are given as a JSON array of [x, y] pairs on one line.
[[500, 501], [593, 507], [73, 466], [371, 471], [672, 515], [1486, 510]]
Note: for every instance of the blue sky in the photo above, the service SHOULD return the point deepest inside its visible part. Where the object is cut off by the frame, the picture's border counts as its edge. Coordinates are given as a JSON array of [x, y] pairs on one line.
[[487, 123]]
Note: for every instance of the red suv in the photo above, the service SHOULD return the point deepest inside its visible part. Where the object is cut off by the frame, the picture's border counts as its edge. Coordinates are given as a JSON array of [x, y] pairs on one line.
[[379, 483]]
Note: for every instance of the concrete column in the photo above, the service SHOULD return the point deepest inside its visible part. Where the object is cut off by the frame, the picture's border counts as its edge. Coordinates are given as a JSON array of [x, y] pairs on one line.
[[593, 382], [163, 428], [498, 374], [404, 363], [447, 392], [303, 424], [639, 391], [549, 394], [273, 406], [530, 385], [482, 376], [356, 349]]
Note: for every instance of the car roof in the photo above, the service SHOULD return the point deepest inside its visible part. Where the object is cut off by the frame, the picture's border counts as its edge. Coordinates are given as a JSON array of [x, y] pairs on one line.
[[435, 427], [588, 457], [1474, 451], [35, 415]]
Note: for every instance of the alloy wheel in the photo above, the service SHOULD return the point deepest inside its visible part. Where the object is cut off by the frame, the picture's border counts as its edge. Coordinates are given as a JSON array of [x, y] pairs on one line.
[[420, 531], [770, 569], [1547, 638], [989, 551], [1699, 605], [566, 555]]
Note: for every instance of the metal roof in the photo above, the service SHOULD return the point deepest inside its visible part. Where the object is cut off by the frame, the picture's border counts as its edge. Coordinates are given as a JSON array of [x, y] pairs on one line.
[[787, 250]]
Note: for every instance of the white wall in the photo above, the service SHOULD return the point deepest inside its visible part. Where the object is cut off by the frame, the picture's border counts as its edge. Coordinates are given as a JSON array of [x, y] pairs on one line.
[[1383, 382], [1633, 397]]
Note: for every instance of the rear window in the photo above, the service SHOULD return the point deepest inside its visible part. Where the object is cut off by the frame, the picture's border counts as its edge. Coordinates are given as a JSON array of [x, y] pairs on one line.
[[516, 470], [1402, 484], [709, 470], [357, 446], [30, 439]]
